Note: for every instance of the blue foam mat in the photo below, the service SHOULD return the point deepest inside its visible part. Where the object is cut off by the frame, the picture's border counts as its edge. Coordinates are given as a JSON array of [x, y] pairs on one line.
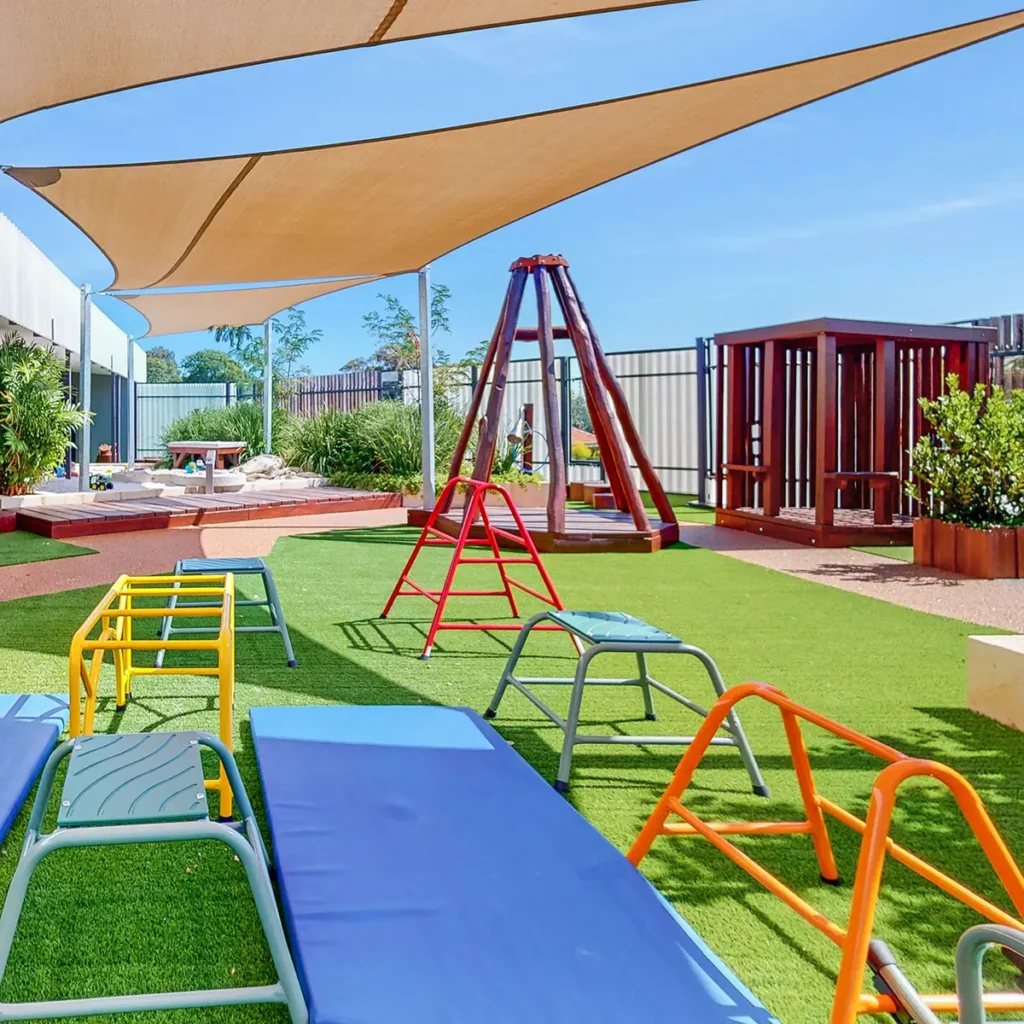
[[29, 727], [447, 883]]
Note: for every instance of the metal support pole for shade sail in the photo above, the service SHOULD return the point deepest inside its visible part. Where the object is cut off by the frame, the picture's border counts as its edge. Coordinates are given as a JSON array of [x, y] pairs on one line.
[[129, 455], [426, 390], [268, 384], [85, 387]]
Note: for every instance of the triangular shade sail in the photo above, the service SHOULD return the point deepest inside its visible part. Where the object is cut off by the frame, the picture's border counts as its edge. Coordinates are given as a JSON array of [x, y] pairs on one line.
[[179, 312], [392, 205], [57, 51]]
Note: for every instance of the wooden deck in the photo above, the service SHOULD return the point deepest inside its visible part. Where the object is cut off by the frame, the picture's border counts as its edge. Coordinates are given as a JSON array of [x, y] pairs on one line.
[[852, 526], [61, 521], [585, 529]]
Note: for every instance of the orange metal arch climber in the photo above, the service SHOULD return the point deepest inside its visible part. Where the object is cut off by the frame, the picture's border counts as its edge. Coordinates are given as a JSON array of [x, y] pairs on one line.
[[859, 949]]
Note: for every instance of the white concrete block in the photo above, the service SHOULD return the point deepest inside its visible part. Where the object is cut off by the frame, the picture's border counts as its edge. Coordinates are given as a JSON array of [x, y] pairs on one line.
[[995, 678]]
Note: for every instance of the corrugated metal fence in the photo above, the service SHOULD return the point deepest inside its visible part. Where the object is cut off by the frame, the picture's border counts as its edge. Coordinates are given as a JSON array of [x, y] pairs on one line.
[[661, 390], [660, 385], [157, 406]]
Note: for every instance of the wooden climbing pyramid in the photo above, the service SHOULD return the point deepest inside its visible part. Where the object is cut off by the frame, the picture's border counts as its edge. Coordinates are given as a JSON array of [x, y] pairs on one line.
[[626, 524]]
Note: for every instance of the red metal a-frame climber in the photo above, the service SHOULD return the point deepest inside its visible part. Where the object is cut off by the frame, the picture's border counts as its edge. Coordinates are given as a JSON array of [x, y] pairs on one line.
[[432, 535]]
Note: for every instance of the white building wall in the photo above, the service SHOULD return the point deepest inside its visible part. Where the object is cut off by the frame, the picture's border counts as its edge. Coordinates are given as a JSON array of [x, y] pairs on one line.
[[36, 296]]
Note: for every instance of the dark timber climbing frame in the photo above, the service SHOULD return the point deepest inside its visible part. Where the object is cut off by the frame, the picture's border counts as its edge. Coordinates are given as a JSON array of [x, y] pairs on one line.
[[628, 527]]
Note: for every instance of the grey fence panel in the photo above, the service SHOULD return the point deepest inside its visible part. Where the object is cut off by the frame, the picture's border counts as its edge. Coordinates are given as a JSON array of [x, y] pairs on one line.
[[157, 406]]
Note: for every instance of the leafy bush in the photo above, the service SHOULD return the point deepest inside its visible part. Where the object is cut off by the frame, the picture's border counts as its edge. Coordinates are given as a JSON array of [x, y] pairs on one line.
[[973, 460], [381, 482], [583, 452], [36, 416], [240, 422], [379, 439], [414, 484]]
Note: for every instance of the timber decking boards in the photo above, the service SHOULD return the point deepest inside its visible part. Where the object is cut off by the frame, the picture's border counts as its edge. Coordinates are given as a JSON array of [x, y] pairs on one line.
[[585, 529], [57, 521], [851, 526]]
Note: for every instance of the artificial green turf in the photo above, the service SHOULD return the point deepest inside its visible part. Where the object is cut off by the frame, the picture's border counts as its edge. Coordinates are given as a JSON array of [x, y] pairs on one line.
[[897, 551], [123, 919], [19, 547]]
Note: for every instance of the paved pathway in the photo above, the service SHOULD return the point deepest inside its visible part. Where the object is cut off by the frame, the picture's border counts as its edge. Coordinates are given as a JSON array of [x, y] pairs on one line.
[[147, 552], [998, 603]]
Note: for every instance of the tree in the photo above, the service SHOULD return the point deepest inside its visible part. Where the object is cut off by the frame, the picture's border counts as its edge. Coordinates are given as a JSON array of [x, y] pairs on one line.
[[292, 339], [475, 356], [395, 332], [213, 366], [162, 366], [356, 366], [244, 347], [579, 412]]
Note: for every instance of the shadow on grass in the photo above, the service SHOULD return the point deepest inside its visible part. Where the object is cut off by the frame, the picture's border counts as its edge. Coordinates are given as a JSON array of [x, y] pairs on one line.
[[383, 636], [913, 913]]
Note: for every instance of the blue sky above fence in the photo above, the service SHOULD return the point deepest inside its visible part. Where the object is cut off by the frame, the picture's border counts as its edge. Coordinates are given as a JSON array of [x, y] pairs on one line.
[[901, 200]]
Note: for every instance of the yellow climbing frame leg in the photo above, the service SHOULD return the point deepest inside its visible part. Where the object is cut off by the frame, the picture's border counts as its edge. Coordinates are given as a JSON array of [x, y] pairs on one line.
[[109, 628]]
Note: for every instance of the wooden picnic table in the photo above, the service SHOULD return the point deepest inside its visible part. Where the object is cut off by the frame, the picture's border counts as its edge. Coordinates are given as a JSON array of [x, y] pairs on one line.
[[181, 450]]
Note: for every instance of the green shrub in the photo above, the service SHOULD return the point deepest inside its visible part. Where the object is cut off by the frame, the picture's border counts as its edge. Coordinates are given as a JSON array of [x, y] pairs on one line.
[[583, 452], [36, 416], [240, 422], [379, 439], [380, 482], [973, 460]]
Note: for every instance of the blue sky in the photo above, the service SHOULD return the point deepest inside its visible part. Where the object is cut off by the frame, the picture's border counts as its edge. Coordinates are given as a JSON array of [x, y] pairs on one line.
[[902, 200]]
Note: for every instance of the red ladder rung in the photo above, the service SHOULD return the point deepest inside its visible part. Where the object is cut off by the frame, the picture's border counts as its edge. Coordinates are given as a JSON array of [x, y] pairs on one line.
[[498, 532], [532, 592], [497, 561], [434, 595]]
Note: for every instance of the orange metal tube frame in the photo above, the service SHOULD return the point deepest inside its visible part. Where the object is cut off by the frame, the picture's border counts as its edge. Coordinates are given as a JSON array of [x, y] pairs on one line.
[[114, 615], [853, 940]]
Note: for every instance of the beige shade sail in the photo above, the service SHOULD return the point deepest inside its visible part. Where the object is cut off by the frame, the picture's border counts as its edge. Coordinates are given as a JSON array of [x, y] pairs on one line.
[[392, 205], [57, 51], [179, 312]]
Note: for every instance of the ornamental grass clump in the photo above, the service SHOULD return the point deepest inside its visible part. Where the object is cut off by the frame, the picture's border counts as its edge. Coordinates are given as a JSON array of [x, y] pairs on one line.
[[379, 440], [970, 468], [240, 422], [36, 415]]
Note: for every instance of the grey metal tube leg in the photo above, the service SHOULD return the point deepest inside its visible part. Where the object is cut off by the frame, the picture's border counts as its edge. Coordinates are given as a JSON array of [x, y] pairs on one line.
[[573, 720], [275, 604], [166, 622], [739, 736], [513, 658], [641, 663]]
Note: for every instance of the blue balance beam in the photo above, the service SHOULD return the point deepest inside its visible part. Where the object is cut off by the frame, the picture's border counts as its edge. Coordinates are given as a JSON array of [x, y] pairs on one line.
[[29, 727], [429, 874]]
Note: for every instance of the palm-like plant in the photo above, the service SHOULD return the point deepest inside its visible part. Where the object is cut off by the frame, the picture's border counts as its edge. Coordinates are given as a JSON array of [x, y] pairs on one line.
[[36, 414]]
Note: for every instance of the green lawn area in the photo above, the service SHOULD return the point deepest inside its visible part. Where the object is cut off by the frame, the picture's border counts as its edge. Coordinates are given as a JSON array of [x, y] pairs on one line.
[[136, 919], [19, 547]]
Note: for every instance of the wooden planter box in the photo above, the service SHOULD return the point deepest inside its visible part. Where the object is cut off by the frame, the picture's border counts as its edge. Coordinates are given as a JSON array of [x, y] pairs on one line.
[[986, 554], [944, 545], [923, 537], [993, 554]]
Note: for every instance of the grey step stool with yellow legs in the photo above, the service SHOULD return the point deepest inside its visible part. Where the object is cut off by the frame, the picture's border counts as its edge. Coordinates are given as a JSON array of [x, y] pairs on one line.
[[240, 567], [616, 632], [146, 788]]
